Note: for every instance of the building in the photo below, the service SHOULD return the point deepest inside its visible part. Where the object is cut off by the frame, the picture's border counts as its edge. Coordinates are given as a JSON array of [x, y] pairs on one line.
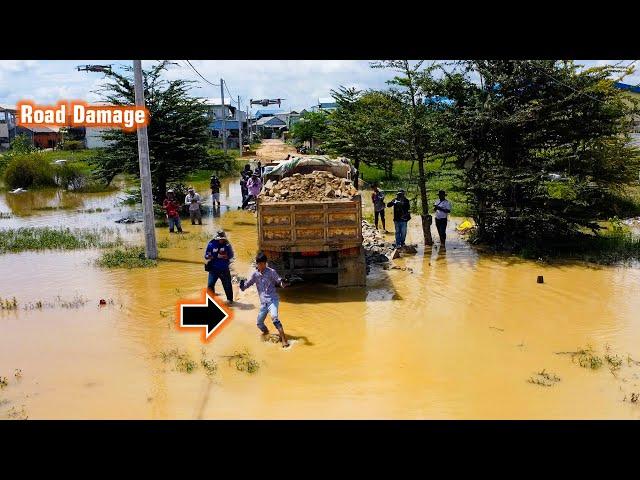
[[272, 123], [235, 121], [326, 104], [7, 126], [41, 137], [634, 92]]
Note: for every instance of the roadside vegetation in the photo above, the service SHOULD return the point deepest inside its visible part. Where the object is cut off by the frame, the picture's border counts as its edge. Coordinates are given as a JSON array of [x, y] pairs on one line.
[[536, 151], [47, 238], [125, 257]]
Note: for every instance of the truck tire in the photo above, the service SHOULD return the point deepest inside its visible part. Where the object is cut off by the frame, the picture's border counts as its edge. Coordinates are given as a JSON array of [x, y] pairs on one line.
[[352, 271]]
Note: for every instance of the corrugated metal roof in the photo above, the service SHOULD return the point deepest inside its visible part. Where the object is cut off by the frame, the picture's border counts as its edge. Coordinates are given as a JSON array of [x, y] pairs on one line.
[[217, 101], [322, 101], [10, 108], [41, 129], [625, 86], [268, 112], [271, 121], [230, 125]]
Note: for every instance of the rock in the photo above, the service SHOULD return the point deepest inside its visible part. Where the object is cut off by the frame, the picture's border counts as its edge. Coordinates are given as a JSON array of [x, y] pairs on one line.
[[316, 186]]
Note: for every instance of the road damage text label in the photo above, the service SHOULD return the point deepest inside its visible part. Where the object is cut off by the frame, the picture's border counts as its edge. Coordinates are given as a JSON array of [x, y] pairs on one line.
[[81, 114]]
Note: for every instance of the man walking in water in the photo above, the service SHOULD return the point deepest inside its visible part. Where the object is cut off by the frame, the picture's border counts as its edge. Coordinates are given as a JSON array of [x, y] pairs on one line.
[[215, 190], [218, 255], [401, 216], [254, 186], [377, 197], [266, 280], [244, 178], [442, 207], [171, 207]]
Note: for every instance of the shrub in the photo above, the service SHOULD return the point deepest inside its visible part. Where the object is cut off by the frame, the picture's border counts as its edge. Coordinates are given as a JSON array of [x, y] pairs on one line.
[[68, 176], [29, 170], [73, 145]]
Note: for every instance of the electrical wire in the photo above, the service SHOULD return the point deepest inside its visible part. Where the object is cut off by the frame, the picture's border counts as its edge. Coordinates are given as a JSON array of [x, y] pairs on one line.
[[194, 69]]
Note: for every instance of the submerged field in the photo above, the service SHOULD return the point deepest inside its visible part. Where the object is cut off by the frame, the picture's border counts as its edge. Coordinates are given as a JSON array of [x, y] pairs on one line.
[[452, 334]]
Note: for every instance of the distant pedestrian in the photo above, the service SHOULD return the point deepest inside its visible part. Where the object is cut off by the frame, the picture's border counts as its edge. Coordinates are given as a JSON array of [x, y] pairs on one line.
[[215, 190], [377, 197], [401, 216], [218, 255], [266, 280], [442, 207], [193, 200], [172, 209], [254, 185], [244, 178]]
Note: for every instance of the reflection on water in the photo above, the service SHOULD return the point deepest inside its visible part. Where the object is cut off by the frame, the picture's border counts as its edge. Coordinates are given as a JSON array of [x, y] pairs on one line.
[[453, 335]]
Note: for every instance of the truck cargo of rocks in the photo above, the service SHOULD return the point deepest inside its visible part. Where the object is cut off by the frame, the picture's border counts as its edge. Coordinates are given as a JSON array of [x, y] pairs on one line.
[[311, 238]]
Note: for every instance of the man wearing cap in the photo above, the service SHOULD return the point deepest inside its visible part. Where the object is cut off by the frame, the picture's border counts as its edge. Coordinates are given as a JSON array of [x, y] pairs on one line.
[[442, 207], [171, 207], [401, 216], [193, 200], [215, 190], [218, 254]]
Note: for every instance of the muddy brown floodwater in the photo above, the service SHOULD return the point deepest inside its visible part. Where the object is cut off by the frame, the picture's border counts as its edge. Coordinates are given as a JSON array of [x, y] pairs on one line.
[[455, 335]]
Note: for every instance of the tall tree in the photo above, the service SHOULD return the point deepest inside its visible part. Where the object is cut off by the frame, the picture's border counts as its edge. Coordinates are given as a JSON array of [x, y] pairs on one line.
[[365, 128], [178, 129], [544, 142], [426, 136], [311, 126]]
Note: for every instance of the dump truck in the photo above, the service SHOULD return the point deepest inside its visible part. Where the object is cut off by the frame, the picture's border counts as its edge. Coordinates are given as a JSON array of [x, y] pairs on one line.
[[313, 238]]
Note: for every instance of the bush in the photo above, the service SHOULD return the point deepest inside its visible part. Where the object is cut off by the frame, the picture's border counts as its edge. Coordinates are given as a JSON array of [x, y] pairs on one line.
[[21, 144], [68, 176], [73, 145], [29, 170]]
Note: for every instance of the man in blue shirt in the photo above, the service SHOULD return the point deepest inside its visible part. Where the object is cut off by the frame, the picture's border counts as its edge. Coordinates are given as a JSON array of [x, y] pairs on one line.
[[266, 280], [218, 255]]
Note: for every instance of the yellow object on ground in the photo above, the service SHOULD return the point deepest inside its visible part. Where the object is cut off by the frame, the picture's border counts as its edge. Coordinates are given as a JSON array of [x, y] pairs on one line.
[[466, 225]]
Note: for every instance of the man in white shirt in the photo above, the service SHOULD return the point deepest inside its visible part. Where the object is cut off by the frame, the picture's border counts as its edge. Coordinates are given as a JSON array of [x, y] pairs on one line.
[[442, 207], [193, 200]]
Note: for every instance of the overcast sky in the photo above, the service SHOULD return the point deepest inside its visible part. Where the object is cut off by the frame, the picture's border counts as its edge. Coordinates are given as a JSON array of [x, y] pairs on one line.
[[299, 82]]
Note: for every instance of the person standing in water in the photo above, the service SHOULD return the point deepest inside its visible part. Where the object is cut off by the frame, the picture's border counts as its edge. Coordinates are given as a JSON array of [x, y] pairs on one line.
[[266, 280], [193, 200], [377, 197], [401, 216], [254, 185], [171, 207], [442, 207], [218, 254], [215, 190]]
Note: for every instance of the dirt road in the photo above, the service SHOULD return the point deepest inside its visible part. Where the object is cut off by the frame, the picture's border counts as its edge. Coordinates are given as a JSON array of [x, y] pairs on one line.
[[274, 149]]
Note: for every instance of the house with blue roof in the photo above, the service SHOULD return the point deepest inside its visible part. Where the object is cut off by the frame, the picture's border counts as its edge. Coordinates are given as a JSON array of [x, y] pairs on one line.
[[235, 120]]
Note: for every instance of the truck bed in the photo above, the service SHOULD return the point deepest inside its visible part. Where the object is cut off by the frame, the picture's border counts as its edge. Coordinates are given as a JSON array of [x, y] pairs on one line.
[[310, 225]]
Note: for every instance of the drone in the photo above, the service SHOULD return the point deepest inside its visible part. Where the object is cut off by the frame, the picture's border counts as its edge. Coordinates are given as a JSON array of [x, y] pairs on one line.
[[267, 101], [94, 68]]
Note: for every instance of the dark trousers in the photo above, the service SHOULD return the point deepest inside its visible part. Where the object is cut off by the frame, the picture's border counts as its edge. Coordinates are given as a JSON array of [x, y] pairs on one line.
[[245, 192], [246, 201], [381, 215], [225, 277], [441, 225]]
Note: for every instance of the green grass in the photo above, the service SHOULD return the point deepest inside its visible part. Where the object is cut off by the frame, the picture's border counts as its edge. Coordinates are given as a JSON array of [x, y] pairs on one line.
[[47, 238], [126, 257]]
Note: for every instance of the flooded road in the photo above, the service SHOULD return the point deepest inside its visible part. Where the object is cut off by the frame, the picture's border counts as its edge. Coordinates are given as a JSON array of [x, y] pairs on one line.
[[454, 335]]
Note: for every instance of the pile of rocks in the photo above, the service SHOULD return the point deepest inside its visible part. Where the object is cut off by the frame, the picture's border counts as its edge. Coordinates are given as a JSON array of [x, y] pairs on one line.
[[376, 249], [316, 186]]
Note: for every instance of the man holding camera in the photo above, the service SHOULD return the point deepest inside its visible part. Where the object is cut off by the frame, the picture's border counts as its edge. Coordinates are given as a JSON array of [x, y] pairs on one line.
[[218, 255]]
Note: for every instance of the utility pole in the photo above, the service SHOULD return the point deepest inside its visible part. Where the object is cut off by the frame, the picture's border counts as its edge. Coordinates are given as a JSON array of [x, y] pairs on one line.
[[150, 246], [239, 126], [224, 119]]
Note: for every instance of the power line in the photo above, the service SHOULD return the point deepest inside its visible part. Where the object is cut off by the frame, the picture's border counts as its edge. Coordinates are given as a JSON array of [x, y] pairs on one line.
[[194, 69], [564, 84]]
